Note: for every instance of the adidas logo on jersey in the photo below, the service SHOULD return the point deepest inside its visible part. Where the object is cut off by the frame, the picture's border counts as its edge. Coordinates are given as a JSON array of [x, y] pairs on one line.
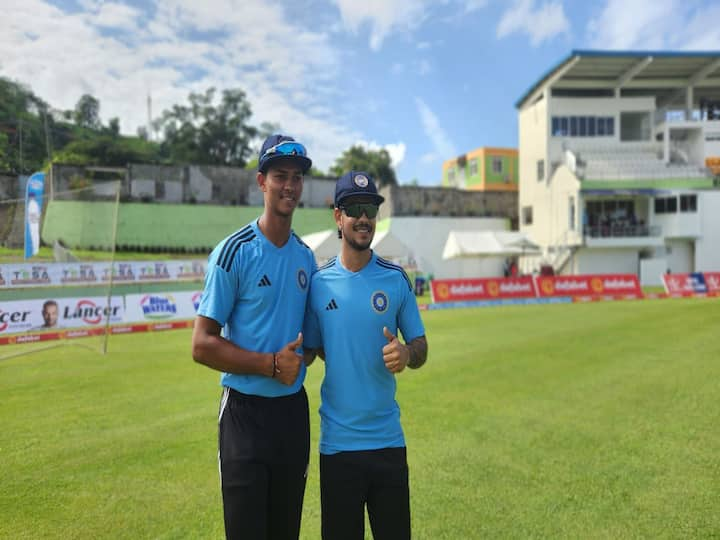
[[264, 282], [331, 305]]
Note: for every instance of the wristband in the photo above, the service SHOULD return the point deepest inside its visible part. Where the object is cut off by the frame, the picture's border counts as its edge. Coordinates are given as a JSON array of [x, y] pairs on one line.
[[274, 366]]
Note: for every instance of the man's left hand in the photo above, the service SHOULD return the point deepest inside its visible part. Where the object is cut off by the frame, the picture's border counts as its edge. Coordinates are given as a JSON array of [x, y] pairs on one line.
[[395, 355]]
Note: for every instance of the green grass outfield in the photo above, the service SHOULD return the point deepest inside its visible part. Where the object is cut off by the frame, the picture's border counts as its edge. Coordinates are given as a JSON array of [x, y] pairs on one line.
[[597, 420]]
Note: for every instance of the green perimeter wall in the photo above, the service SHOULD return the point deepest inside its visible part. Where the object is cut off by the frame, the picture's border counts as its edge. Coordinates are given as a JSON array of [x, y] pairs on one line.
[[89, 225]]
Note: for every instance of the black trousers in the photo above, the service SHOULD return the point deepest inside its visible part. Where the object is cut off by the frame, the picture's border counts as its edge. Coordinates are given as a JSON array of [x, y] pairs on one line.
[[264, 450], [351, 480]]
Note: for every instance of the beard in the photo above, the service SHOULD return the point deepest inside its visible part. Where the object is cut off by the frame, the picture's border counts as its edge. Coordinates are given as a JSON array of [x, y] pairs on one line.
[[357, 246], [360, 246]]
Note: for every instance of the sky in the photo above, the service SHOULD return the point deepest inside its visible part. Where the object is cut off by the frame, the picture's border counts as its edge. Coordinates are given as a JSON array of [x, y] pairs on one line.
[[428, 80]]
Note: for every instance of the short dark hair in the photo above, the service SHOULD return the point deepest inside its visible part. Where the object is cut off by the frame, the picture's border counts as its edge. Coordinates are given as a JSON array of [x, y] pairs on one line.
[[49, 303]]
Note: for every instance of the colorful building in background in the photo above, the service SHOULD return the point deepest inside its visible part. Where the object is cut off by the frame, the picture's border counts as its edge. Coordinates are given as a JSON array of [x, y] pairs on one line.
[[483, 169]]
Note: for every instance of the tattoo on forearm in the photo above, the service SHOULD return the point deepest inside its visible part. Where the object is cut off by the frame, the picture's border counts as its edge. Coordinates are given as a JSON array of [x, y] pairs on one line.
[[418, 352]]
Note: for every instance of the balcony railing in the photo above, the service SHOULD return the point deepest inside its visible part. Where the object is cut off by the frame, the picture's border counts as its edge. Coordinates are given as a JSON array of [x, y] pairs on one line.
[[618, 230]]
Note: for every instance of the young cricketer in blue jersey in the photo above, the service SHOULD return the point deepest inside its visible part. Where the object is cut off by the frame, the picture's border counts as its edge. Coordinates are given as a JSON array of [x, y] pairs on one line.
[[248, 327], [358, 302]]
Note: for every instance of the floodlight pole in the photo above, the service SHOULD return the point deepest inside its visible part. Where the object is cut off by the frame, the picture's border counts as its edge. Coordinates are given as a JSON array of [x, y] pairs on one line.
[[112, 266]]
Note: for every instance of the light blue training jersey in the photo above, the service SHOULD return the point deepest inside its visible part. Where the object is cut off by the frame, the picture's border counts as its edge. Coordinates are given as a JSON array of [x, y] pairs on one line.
[[257, 292], [346, 313]]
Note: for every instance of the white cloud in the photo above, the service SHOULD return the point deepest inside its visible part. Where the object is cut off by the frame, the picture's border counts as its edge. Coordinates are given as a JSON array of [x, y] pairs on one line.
[[539, 23], [396, 150], [443, 148], [474, 5], [68, 54], [117, 16], [655, 24], [629, 23], [424, 67], [702, 31], [382, 16]]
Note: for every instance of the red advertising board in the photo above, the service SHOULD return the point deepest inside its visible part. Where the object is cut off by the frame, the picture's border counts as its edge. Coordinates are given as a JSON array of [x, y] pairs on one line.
[[455, 290], [684, 284], [98, 331], [614, 285], [712, 281]]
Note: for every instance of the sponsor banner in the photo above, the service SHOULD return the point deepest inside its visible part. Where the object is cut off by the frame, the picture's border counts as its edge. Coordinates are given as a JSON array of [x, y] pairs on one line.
[[500, 302], [33, 211], [85, 332], [685, 284], [455, 290], [87, 273], [610, 285], [161, 306], [712, 282], [606, 298], [55, 314], [27, 275]]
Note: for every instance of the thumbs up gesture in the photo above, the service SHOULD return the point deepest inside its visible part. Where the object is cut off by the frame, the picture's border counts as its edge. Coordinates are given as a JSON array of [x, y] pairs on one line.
[[287, 361], [395, 354]]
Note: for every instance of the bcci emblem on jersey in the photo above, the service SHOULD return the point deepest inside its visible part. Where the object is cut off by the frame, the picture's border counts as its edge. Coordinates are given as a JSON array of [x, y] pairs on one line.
[[302, 279], [379, 301]]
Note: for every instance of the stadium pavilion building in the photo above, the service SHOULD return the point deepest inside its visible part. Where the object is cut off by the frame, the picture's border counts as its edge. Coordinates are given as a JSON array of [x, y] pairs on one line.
[[620, 164]]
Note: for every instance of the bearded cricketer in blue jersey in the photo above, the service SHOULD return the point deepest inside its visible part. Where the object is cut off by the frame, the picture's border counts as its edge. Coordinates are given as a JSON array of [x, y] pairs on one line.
[[249, 327], [358, 302]]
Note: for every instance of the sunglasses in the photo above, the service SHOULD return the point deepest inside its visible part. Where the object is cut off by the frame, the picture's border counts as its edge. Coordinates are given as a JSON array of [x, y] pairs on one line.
[[285, 148], [357, 210]]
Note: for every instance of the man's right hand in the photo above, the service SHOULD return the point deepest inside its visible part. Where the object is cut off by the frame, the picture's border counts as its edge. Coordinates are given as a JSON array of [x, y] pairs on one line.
[[287, 362]]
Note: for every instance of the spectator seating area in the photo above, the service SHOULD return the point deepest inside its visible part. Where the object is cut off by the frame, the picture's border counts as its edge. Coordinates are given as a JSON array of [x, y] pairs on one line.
[[631, 161]]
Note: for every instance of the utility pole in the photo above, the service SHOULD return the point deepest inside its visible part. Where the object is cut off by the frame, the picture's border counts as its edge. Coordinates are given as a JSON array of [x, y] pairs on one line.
[[48, 142], [149, 117], [48, 148], [20, 141]]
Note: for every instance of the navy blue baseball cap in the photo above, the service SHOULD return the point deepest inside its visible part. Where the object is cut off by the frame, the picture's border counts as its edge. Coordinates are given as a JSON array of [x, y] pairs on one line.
[[277, 147], [354, 183]]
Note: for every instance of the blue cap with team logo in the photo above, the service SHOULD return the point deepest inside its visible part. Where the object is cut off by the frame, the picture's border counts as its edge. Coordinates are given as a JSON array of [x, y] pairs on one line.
[[282, 147], [355, 183]]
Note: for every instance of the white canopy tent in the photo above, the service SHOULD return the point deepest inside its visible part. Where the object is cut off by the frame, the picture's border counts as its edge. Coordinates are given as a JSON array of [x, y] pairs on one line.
[[461, 244], [389, 246], [326, 244]]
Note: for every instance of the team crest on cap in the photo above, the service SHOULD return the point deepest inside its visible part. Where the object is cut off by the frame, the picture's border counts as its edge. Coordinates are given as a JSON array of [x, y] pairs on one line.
[[302, 279], [361, 180], [379, 301]]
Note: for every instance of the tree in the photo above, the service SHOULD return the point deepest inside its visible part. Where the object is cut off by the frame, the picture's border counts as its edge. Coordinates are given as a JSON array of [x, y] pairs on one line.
[[24, 145], [109, 151], [375, 162], [204, 133], [268, 128], [87, 112], [4, 153], [114, 126]]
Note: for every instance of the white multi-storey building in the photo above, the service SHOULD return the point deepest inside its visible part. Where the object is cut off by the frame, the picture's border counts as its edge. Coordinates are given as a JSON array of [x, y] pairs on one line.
[[619, 160]]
